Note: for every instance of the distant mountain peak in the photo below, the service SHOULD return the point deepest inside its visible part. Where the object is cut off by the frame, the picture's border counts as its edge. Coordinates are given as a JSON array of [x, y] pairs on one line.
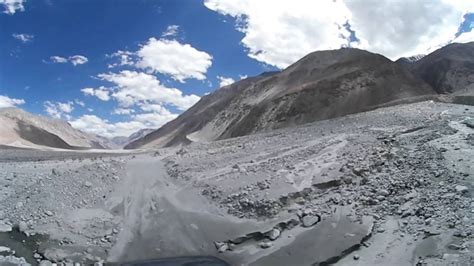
[[121, 141], [140, 133], [411, 59]]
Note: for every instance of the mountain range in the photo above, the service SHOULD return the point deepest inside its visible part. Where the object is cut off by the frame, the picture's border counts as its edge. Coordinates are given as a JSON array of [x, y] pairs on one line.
[[321, 85], [23, 129]]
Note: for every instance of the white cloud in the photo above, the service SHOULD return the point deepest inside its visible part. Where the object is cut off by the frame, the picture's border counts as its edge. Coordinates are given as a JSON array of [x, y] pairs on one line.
[[465, 37], [96, 125], [243, 76], [156, 108], [88, 91], [75, 59], [180, 61], [58, 109], [168, 57], [154, 120], [65, 107], [138, 88], [141, 97], [6, 101], [52, 110], [102, 93], [123, 111], [78, 59], [58, 59], [126, 58], [23, 37], [223, 81], [171, 31], [11, 6], [405, 28], [79, 102], [279, 32]]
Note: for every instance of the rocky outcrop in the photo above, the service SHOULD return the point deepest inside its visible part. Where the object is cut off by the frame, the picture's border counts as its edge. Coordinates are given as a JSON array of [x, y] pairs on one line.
[[449, 69]]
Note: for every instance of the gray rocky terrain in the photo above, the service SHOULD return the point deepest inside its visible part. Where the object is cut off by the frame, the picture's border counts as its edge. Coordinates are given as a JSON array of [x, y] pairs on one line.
[[392, 186]]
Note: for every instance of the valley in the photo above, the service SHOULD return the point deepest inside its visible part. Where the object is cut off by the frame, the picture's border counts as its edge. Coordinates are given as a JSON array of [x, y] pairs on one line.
[[390, 186], [236, 133]]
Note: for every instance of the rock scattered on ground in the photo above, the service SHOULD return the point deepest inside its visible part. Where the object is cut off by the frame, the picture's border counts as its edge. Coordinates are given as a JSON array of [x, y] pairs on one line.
[[409, 168]]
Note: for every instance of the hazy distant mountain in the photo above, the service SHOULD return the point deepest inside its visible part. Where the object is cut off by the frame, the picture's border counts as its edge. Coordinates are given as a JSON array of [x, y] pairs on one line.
[[139, 134], [107, 142], [22, 129], [449, 69], [120, 141], [321, 85]]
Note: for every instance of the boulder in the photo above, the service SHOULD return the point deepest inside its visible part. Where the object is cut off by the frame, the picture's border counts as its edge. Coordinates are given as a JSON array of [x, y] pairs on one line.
[[310, 220], [4, 228]]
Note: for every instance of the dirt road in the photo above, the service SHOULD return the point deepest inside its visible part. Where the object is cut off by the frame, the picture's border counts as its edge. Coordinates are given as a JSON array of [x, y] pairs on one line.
[[161, 219], [164, 219]]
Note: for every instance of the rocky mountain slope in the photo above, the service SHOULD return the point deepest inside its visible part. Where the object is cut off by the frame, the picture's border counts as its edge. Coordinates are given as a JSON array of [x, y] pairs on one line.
[[139, 134], [22, 129], [322, 85], [196, 117], [449, 69]]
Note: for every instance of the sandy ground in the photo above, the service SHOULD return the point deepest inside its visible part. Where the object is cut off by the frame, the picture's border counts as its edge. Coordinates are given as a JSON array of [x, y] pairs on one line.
[[392, 186]]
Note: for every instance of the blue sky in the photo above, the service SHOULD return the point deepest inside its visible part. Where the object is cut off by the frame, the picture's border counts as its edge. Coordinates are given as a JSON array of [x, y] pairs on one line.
[[61, 58]]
